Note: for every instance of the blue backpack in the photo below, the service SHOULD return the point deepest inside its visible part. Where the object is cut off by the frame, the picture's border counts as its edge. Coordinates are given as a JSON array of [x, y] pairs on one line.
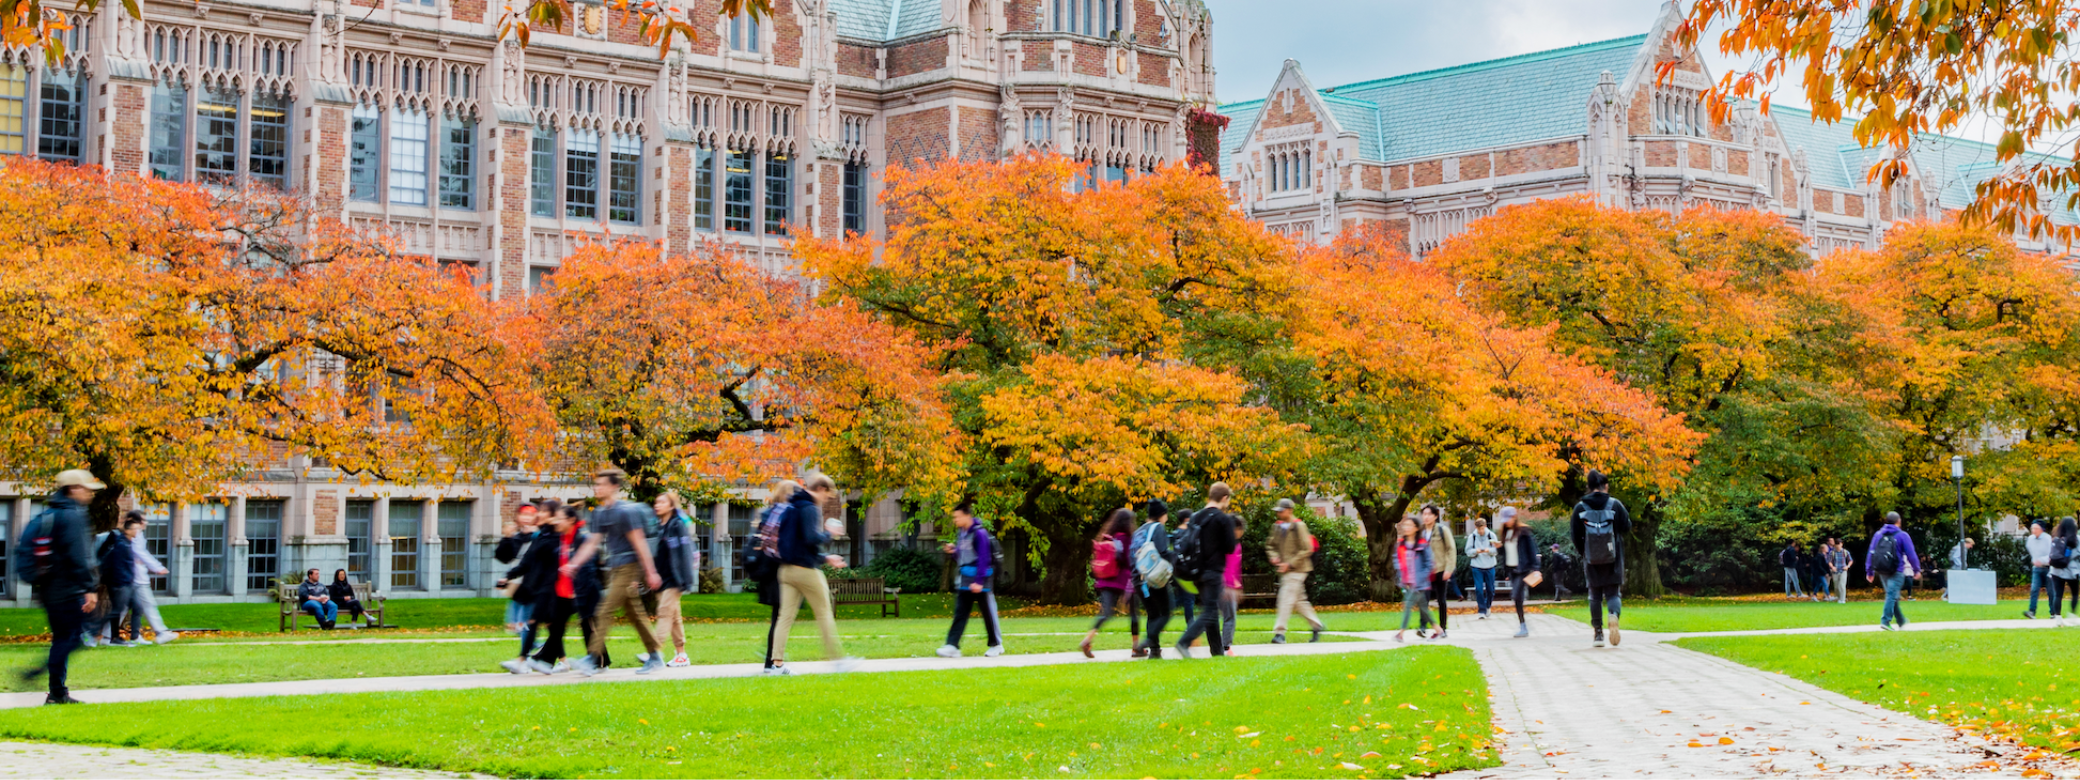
[[32, 553]]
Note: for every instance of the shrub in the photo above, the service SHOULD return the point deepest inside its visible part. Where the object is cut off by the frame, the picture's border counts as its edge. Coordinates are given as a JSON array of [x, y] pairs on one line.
[[914, 569], [1341, 574]]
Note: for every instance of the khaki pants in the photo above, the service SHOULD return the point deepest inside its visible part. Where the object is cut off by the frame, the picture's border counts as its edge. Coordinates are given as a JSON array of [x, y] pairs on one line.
[[668, 622], [621, 592], [798, 583], [1292, 591], [1841, 586]]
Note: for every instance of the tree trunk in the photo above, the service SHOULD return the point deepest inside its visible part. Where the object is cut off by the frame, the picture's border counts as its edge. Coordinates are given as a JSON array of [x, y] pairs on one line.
[[1380, 521], [105, 512], [1643, 551], [1068, 560]]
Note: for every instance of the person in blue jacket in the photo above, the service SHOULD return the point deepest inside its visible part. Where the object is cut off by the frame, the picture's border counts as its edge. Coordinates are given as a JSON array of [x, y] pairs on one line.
[[976, 551]]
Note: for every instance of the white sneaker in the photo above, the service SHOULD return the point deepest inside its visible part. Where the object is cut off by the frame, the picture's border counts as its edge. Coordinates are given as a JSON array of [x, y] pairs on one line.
[[775, 671], [560, 667], [541, 668], [164, 637], [679, 662], [949, 651], [516, 666], [86, 641], [993, 651]]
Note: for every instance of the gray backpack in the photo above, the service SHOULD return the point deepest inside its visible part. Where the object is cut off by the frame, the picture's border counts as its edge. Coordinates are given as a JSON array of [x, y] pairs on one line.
[[1600, 532]]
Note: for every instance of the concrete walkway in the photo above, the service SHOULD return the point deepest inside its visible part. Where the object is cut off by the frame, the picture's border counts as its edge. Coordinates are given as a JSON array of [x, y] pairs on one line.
[[1647, 708], [1561, 708]]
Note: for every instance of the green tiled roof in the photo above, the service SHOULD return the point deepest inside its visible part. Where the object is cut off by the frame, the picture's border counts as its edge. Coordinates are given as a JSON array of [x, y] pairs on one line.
[[885, 20], [1950, 166], [1241, 118], [1484, 104]]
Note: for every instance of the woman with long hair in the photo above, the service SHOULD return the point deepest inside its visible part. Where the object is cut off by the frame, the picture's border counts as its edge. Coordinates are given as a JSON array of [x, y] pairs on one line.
[[678, 569], [1444, 557], [762, 556], [2066, 579], [1519, 561], [1412, 565], [1115, 582]]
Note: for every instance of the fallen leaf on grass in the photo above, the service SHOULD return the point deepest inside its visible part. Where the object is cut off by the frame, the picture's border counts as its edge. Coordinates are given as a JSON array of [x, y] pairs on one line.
[[1350, 766]]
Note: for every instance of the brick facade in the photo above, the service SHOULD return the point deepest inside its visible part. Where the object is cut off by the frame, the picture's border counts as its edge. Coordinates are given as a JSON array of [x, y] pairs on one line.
[[917, 57]]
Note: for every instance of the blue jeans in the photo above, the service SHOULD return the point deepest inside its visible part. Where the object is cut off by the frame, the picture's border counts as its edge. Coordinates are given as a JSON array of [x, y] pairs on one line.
[[326, 612], [1791, 583], [1483, 588], [2036, 585], [1893, 582]]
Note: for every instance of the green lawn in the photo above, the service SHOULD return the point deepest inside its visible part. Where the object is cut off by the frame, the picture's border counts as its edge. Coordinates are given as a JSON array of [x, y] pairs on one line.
[[1689, 615], [1412, 711], [206, 661], [2016, 683]]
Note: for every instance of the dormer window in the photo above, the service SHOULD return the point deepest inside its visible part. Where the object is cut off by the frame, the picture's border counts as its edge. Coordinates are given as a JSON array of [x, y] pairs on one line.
[[743, 33], [1678, 112], [1095, 18]]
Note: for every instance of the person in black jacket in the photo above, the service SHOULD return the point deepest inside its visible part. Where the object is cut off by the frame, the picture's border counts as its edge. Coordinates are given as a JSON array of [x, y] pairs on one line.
[[118, 567], [554, 593], [1519, 559], [66, 583], [1599, 526], [342, 591], [1789, 559], [519, 534], [1216, 530], [801, 536]]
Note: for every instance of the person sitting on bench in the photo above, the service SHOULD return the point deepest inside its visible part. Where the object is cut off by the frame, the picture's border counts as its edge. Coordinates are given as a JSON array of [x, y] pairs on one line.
[[342, 593], [317, 600]]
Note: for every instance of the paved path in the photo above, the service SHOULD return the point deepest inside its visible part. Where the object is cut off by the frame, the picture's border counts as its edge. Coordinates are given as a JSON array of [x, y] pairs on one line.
[[1565, 707], [39, 760]]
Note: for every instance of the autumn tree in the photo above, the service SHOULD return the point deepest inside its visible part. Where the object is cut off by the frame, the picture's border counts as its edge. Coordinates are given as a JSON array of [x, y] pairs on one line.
[[694, 371], [1911, 67], [1712, 313], [168, 337], [1413, 388], [1091, 335], [1968, 347]]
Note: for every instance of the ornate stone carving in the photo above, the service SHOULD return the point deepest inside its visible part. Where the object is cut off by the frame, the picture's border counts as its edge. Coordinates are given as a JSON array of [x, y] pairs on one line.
[[1010, 117]]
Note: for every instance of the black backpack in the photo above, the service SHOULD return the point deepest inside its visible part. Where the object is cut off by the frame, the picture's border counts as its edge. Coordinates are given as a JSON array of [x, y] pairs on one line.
[[1885, 556], [1186, 544], [32, 554], [2061, 555], [1600, 534]]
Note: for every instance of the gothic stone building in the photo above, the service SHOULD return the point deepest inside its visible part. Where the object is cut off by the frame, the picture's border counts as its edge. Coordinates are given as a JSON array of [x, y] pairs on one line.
[[1427, 153], [411, 116]]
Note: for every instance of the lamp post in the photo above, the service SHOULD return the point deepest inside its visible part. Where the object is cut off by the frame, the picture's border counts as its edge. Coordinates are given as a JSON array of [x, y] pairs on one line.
[[1957, 476]]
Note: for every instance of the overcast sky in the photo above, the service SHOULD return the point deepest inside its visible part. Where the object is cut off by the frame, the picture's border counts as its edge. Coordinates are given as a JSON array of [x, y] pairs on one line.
[[1341, 41]]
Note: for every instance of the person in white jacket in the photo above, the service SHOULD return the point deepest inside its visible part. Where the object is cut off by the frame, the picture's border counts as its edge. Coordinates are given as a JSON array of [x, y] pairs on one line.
[[143, 607], [2039, 547], [1481, 546]]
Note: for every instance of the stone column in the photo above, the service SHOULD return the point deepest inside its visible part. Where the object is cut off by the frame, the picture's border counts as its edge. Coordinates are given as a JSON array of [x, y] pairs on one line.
[[430, 546], [236, 547], [24, 509], [182, 567], [379, 545], [722, 552]]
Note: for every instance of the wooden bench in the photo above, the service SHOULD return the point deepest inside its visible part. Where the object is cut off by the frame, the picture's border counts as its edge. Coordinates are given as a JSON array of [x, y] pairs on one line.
[[866, 590], [1260, 587], [292, 605]]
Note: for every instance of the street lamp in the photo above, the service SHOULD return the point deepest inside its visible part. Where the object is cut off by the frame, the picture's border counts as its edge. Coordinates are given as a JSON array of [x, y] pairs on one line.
[[1957, 476]]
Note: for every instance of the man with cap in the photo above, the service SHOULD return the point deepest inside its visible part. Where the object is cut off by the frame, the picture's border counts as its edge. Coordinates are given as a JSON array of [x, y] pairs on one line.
[[1291, 549], [60, 564]]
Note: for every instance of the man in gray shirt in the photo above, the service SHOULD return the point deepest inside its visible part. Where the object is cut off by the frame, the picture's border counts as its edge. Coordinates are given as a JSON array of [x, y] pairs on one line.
[[618, 524]]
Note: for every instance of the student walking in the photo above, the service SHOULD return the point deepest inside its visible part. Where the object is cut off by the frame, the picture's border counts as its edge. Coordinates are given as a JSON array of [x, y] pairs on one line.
[[1291, 549], [975, 555], [762, 559], [1599, 526], [1520, 561], [1113, 574], [534, 566], [1210, 539], [118, 575], [1838, 562], [617, 525], [1558, 561], [555, 589], [802, 534], [678, 569], [518, 535], [2038, 548], [144, 608], [2065, 572], [1412, 569], [54, 556], [1788, 558], [1231, 585], [1481, 547], [1155, 564], [1444, 557], [1891, 557]]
